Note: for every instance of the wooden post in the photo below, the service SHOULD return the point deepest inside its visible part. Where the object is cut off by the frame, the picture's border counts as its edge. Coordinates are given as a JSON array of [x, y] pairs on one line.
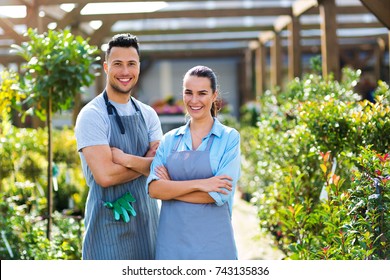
[[260, 69], [276, 62], [294, 49], [247, 79], [379, 50], [329, 42]]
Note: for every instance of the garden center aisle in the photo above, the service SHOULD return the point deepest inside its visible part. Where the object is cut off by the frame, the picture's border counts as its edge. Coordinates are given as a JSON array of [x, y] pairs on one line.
[[250, 245]]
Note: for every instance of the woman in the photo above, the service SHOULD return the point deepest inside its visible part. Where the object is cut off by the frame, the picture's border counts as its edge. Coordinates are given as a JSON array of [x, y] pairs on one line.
[[194, 173]]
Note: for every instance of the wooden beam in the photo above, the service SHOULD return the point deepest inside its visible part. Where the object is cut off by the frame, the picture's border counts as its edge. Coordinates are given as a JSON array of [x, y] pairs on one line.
[[195, 39], [104, 31], [300, 7], [197, 30], [71, 18], [329, 42], [196, 13], [58, 2], [381, 9], [33, 19], [281, 23], [9, 28], [267, 36]]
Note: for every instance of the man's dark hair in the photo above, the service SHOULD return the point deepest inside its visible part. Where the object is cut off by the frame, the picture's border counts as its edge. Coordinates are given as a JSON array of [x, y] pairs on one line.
[[123, 41]]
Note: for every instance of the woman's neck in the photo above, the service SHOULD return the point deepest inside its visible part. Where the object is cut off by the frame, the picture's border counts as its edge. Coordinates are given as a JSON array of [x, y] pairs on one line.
[[202, 125], [199, 129]]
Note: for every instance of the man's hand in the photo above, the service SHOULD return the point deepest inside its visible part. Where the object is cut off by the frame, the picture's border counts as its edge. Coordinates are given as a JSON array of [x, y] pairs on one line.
[[136, 163], [118, 156]]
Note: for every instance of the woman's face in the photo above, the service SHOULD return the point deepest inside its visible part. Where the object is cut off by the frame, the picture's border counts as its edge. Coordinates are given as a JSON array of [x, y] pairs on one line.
[[198, 96]]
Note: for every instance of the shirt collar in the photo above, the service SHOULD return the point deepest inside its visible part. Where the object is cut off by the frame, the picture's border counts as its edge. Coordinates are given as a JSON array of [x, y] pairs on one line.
[[217, 128]]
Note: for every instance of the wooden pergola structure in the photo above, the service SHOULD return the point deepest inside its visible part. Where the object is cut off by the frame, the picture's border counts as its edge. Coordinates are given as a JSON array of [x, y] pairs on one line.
[[256, 31]]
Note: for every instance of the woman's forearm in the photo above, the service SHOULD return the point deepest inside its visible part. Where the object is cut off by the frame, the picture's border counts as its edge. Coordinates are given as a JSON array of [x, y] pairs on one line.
[[196, 197], [167, 189]]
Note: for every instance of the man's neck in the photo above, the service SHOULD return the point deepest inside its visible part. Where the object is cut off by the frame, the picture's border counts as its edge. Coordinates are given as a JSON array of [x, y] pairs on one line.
[[118, 97]]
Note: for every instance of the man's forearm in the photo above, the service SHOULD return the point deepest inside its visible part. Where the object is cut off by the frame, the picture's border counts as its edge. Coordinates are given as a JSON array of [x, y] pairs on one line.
[[117, 175], [137, 163]]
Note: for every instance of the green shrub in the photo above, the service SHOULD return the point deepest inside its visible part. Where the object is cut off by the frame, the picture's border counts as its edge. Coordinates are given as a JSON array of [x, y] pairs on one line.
[[23, 228], [312, 120], [23, 202]]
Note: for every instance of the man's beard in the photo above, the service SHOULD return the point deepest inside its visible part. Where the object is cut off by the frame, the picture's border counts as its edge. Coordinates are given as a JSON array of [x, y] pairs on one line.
[[118, 89]]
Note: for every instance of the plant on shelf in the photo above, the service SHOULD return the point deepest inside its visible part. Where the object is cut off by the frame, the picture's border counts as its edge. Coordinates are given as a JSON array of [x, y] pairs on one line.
[[168, 106]]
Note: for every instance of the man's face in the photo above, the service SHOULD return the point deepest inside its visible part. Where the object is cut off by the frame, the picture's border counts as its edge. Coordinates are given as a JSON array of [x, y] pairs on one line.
[[122, 68]]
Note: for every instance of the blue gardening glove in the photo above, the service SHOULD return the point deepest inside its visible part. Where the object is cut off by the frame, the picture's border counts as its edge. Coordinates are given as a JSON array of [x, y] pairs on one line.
[[122, 207]]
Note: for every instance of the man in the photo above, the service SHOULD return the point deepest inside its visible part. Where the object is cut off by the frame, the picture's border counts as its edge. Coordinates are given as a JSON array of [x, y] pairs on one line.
[[120, 218]]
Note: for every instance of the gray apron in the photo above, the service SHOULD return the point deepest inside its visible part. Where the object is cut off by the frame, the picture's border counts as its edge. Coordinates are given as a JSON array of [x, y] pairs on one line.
[[189, 231], [108, 239]]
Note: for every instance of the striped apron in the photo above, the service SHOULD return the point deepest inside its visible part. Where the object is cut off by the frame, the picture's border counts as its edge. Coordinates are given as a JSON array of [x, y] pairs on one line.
[[108, 239]]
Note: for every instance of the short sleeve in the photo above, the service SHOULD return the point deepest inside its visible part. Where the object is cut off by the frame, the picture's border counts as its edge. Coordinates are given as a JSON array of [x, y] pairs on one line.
[[91, 128], [152, 121]]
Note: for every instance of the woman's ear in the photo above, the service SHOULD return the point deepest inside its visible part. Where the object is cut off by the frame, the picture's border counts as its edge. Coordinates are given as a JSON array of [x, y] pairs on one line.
[[215, 96]]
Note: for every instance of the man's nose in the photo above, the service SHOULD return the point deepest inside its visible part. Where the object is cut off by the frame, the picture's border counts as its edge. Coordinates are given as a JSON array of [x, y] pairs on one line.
[[126, 69]]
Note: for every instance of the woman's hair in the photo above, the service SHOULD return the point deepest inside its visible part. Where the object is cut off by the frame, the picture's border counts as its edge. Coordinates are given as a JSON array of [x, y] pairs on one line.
[[123, 41], [206, 72]]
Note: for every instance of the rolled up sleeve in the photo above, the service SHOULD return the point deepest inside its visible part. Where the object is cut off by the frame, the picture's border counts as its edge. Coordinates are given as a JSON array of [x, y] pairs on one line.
[[230, 164], [157, 161]]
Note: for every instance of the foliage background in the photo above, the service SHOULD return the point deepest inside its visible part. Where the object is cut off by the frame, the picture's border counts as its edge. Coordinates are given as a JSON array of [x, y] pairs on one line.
[[315, 163], [321, 168]]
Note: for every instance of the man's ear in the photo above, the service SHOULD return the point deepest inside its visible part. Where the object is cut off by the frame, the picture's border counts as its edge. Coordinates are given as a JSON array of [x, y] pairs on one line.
[[105, 66]]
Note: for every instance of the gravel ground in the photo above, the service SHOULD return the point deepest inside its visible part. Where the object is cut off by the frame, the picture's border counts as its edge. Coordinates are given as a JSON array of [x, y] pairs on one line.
[[250, 244]]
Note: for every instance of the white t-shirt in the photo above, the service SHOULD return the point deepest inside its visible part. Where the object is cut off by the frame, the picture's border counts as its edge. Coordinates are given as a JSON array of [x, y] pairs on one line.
[[93, 125]]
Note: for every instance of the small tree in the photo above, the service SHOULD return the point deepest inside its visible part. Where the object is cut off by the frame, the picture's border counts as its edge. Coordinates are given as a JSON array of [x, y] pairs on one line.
[[58, 67]]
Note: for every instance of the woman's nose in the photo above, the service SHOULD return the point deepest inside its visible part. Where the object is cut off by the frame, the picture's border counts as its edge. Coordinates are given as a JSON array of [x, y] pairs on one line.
[[194, 98]]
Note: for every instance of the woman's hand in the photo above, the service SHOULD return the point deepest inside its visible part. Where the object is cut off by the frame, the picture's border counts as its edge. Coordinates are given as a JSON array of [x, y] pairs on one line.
[[152, 149], [162, 172], [221, 184]]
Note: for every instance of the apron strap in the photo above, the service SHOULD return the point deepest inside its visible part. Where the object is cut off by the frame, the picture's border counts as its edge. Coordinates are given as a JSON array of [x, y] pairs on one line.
[[112, 110], [177, 143], [209, 142]]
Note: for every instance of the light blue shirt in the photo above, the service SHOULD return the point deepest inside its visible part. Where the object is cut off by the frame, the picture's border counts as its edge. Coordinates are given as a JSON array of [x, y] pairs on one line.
[[225, 155]]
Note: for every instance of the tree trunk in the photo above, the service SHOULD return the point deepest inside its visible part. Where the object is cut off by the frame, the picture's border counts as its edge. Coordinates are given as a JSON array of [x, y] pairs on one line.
[[49, 169]]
